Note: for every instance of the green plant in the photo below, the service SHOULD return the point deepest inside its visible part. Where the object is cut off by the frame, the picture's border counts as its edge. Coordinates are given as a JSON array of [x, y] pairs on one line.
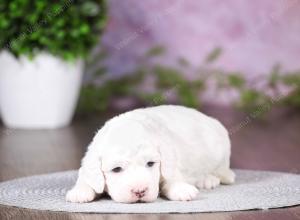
[[251, 98], [167, 80], [65, 28], [213, 55], [170, 79]]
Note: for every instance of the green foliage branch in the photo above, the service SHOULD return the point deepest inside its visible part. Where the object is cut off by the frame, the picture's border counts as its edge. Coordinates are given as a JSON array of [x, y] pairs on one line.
[[170, 79]]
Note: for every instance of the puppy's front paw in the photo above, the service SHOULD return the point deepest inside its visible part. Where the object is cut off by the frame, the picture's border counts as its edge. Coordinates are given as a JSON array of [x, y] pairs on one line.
[[81, 194], [180, 191]]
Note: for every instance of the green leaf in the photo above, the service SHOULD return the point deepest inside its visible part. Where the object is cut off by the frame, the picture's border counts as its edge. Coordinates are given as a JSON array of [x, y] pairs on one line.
[[3, 23], [253, 100], [90, 8], [293, 99], [84, 29], [188, 96], [236, 80], [56, 9], [60, 22], [100, 71], [274, 76], [168, 77], [40, 5], [156, 98], [33, 18], [155, 51], [250, 96], [13, 6], [291, 79], [60, 34], [183, 62], [213, 55], [75, 33], [198, 84]]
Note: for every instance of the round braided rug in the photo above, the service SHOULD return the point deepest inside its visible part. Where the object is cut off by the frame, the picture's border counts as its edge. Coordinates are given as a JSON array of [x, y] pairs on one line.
[[252, 190]]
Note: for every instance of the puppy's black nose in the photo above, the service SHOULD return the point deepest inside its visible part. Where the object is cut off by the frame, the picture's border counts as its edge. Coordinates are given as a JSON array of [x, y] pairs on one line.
[[139, 192]]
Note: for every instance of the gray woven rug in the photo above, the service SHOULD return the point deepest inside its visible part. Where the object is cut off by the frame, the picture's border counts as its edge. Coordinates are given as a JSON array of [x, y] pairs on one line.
[[252, 190]]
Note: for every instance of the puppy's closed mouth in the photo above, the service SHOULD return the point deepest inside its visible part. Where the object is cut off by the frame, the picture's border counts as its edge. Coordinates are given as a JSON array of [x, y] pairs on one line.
[[141, 201]]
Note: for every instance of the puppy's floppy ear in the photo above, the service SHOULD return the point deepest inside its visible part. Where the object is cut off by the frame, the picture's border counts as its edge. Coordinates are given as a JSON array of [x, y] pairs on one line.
[[91, 172], [91, 165], [167, 161], [165, 141]]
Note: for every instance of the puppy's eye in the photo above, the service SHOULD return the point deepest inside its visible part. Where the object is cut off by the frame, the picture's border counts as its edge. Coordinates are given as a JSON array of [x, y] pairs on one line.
[[117, 169], [150, 164]]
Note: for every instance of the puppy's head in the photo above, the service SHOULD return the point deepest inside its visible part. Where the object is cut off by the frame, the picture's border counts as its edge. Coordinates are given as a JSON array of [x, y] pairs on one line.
[[130, 163], [132, 175]]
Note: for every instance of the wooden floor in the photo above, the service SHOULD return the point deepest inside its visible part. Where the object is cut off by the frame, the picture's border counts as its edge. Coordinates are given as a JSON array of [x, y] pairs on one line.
[[269, 144]]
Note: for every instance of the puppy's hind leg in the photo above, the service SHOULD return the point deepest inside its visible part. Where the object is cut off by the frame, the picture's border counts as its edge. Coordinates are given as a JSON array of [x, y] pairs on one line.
[[207, 182], [211, 181], [225, 174]]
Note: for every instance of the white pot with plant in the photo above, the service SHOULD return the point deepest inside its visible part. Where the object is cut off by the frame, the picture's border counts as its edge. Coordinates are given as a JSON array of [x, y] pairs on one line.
[[44, 45]]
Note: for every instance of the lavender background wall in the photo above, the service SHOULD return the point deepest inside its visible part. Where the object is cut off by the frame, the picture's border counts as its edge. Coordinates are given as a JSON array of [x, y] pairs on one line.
[[254, 35]]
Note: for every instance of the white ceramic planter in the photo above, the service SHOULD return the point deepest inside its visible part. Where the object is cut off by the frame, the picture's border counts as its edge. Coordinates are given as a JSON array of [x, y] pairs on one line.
[[38, 93]]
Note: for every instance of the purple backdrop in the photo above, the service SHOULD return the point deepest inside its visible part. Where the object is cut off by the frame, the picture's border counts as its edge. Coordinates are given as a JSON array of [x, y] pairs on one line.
[[254, 34]]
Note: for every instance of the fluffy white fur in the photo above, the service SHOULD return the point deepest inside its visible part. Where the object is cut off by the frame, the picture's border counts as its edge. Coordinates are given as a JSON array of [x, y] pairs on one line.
[[169, 149]]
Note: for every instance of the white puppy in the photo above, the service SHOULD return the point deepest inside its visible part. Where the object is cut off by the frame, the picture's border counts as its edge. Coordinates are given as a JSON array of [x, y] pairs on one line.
[[169, 149]]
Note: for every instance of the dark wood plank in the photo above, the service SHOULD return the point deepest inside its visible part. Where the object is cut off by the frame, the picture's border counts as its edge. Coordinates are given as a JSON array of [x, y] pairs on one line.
[[269, 144]]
